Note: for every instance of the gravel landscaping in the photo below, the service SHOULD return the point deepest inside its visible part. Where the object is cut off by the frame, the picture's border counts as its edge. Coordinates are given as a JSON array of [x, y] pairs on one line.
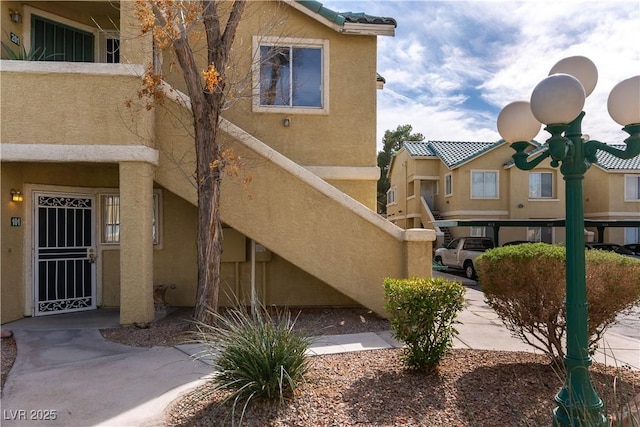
[[372, 388]]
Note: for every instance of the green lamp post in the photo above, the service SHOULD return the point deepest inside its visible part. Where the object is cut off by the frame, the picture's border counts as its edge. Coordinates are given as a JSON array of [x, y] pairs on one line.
[[557, 101]]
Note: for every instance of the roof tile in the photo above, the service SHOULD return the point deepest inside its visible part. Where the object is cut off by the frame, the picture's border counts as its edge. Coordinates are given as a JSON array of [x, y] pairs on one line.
[[341, 17], [418, 149], [610, 162], [454, 153]]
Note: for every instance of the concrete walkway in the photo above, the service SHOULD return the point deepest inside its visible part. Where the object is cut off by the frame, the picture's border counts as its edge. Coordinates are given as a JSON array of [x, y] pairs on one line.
[[66, 372]]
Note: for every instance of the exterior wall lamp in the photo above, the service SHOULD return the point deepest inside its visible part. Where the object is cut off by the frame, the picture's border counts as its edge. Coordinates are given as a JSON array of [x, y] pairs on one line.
[[15, 15], [16, 195], [557, 101]]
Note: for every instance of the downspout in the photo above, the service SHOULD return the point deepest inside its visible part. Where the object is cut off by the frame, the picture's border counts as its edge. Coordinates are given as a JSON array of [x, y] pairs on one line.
[[253, 277]]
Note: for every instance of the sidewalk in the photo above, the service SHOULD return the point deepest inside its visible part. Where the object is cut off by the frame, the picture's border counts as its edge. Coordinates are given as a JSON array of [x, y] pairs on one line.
[[67, 370]]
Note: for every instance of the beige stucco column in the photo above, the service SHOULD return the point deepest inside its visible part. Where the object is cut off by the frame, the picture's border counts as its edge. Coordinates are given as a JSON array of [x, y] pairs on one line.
[[419, 244], [136, 242], [134, 47]]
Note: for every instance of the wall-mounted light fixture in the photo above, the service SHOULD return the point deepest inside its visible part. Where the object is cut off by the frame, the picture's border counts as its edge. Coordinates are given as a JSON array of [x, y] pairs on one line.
[[16, 16], [286, 122], [16, 195], [521, 206]]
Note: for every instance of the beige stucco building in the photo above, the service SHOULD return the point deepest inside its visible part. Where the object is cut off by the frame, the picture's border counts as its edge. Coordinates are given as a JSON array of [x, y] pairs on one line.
[[98, 199], [471, 188]]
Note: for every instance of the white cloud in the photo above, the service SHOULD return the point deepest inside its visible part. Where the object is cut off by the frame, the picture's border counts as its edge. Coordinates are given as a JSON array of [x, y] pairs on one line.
[[454, 64]]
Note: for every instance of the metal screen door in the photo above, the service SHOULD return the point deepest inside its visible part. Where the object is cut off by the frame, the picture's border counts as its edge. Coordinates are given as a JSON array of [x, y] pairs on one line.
[[65, 270]]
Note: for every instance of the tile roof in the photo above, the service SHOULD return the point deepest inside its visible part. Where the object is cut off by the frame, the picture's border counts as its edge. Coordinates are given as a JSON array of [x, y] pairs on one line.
[[341, 17], [363, 18], [606, 160], [418, 149], [452, 153], [537, 148], [610, 162]]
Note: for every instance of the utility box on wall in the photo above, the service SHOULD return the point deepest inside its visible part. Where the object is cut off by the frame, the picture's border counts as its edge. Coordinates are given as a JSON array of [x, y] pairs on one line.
[[262, 253]]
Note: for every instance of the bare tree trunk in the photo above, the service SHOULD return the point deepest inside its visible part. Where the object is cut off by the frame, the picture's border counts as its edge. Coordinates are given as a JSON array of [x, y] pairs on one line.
[[206, 107], [209, 241]]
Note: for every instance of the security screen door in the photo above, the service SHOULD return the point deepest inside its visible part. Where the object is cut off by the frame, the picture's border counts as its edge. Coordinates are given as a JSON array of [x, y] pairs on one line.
[[64, 273]]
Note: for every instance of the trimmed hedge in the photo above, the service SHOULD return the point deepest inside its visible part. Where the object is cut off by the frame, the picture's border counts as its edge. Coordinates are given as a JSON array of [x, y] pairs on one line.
[[525, 285], [423, 313]]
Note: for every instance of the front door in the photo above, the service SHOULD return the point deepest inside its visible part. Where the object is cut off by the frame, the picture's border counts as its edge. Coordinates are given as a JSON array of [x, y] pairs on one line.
[[64, 273]]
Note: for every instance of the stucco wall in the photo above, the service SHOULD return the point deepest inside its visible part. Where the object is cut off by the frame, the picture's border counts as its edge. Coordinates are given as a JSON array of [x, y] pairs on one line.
[[343, 137], [35, 176], [11, 244], [65, 103], [103, 13]]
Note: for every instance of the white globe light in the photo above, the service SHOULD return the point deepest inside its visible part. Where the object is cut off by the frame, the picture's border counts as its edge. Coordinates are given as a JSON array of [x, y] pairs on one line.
[[557, 99], [580, 67], [624, 102], [517, 123]]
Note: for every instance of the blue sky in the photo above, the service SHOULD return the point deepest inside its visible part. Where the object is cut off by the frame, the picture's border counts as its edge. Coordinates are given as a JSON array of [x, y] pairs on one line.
[[453, 65]]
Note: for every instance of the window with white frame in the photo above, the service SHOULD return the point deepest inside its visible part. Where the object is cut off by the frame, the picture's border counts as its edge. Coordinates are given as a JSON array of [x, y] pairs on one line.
[[110, 218], [448, 185], [291, 74], [632, 188], [110, 45], [479, 231], [411, 189], [484, 184], [631, 235], [60, 42], [540, 185], [540, 234], [391, 196], [110, 204]]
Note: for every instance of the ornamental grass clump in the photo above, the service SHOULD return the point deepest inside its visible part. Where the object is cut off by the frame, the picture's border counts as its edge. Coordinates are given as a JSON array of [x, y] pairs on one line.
[[256, 355], [423, 314], [525, 285]]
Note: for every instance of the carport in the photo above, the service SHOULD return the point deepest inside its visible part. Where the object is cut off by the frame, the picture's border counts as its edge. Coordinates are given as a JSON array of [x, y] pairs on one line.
[[496, 224]]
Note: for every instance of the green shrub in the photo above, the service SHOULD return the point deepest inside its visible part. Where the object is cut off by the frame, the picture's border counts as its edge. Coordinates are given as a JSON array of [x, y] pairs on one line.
[[525, 285], [256, 355], [423, 313]]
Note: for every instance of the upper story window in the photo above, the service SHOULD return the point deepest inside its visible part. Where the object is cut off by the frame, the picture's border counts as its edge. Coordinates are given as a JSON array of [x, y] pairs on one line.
[[632, 188], [291, 75], [55, 38], [391, 195], [111, 47], [59, 42], [448, 185], [484, 184], [540, 185]]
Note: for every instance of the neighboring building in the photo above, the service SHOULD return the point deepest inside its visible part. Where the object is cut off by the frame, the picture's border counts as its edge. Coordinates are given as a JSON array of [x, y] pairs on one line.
[[612, 193], [106, 203], [474, 188]]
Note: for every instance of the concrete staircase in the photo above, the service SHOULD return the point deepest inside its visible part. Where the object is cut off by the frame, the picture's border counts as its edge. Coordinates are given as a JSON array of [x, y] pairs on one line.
[[297, 215], [448, 237]]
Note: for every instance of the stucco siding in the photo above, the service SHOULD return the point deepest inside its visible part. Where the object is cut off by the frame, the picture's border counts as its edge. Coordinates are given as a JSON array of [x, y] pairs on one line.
[[346, 135], [11, 245], [65, 103]]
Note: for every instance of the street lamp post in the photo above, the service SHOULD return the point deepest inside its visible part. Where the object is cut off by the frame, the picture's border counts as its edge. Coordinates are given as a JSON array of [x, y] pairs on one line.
[[557, 101]]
